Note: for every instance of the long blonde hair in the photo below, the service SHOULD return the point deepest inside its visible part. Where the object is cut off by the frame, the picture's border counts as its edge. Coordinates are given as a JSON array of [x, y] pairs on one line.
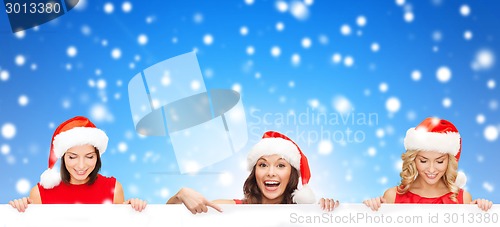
[[409, 173]]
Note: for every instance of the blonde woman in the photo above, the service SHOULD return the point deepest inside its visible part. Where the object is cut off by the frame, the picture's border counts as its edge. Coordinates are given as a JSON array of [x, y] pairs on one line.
[[429, 174]]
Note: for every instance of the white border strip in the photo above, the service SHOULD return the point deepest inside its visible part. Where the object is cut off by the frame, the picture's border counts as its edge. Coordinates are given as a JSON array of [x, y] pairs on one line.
[[250, 215]]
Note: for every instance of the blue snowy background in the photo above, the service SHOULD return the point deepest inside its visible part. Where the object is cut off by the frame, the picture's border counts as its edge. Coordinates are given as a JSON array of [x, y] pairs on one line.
[[344, 79]]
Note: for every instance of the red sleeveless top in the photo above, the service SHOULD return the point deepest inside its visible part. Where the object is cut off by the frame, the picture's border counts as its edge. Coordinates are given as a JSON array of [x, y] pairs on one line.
[[410, 197], [100, 192]]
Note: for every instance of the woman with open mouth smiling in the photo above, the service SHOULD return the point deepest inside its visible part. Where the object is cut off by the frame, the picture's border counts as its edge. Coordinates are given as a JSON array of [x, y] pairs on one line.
[[429, 173], [277, 166], [79, 145], [272, 176]]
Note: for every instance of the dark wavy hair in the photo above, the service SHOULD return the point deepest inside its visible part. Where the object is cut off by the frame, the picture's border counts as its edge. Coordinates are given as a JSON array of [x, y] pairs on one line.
[[253, 194], [65, 176]]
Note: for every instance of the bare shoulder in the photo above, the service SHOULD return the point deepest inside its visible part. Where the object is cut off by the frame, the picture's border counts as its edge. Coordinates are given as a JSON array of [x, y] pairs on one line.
[[467, 197], [119, 196], [390, 195], [224, 201], [35, 195], [118, 186]]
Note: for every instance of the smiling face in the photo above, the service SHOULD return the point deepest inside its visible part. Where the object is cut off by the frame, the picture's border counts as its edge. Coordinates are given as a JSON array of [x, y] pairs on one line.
[[80, 161], [272, 174], [431, 166]]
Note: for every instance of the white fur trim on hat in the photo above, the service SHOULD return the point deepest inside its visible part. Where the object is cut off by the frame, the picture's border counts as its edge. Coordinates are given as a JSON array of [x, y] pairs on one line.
[[50, 178], [80, 136], [423, 140], [461, 179], [305, 195], [271, 146]]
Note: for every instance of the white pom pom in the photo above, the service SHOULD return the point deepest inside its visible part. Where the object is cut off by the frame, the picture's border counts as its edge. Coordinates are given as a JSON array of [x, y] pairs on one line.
[[461, 179], [305, 195], [50, 178]]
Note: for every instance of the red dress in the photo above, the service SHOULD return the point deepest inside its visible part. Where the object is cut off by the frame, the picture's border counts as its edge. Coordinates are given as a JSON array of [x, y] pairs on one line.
[[102, 191], [410, 197], [238, 201]]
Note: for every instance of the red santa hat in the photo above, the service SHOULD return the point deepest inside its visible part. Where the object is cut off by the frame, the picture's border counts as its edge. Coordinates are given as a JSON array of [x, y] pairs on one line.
[[279, 144], [434, 134], [73, 132]]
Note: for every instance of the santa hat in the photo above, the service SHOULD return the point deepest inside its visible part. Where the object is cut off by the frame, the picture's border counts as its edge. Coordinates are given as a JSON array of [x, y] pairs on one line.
[[434, 134], [73, 132], [279, 144]]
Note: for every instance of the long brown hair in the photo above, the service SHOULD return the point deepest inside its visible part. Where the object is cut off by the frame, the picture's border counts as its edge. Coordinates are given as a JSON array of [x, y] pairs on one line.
[[65, 175], [253, 194]]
